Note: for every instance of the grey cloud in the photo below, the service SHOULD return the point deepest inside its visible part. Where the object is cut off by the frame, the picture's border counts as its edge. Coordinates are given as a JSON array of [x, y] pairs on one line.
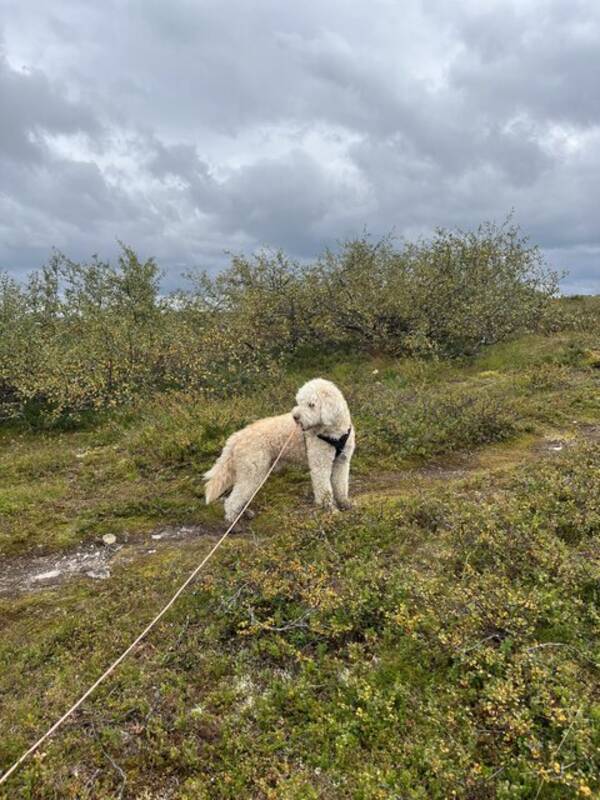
[[442, 128], [541, 59], [31, 106], [213, 126], [292, 202], [46, 197], [178, 159]]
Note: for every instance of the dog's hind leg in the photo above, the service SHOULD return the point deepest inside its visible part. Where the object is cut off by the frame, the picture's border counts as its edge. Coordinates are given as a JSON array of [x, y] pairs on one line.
[[249, 478]]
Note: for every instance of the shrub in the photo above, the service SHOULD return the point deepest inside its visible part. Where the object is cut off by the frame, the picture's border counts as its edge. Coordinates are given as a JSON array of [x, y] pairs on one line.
[[451, 295], [416, 425], [90, 336], [81, 336]]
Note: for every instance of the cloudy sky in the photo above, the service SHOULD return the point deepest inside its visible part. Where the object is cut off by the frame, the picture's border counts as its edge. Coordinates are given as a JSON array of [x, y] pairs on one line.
[[190, 127]]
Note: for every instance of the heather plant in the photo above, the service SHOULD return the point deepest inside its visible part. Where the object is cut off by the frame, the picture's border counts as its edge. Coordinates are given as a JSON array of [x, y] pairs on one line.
[[423, 423], [439, 640]]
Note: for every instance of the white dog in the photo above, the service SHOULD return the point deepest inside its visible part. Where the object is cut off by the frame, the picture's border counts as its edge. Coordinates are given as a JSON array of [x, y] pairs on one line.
[[323, 435]]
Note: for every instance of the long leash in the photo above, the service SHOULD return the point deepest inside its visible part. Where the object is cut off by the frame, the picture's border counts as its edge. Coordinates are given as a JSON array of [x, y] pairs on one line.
[[146, 630]]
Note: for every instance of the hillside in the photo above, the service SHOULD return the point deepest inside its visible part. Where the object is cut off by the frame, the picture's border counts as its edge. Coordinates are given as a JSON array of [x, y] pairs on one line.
[[440, 640]]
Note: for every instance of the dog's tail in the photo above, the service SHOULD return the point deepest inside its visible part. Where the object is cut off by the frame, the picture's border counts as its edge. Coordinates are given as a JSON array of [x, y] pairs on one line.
[[221, 475]]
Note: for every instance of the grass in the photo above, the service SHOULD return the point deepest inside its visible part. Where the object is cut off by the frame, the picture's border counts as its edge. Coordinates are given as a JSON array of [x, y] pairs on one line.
[[439, 641], [142, 468]]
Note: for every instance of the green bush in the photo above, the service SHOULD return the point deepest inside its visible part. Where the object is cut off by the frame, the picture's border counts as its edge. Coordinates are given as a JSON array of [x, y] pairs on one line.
[[425, 423], [80, 337], [95, 336], [451, 295]]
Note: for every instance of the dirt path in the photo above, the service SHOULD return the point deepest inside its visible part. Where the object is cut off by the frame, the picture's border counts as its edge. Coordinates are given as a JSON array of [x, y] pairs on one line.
[[95, 561], [458, 466]]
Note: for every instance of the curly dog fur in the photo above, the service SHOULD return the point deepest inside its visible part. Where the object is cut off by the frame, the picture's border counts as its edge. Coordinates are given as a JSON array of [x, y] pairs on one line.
[[249, 453]]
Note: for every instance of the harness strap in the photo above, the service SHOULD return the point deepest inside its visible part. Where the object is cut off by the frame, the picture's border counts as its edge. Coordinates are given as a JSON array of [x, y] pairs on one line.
[[339, 444]]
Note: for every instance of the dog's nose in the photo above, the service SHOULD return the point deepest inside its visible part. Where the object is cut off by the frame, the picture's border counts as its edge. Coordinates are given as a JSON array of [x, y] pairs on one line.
[[296, 416]]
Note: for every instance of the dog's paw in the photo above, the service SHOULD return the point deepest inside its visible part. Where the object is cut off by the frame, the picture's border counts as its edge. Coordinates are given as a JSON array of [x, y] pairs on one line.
[[327, 508], [345, 505]]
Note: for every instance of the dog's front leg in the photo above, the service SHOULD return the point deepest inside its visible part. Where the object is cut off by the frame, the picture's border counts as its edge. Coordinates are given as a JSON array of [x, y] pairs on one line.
[[340, 478], [320, 461]]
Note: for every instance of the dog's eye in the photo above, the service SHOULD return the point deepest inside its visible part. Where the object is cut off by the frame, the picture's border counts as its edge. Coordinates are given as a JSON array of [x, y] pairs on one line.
[[311, 405]]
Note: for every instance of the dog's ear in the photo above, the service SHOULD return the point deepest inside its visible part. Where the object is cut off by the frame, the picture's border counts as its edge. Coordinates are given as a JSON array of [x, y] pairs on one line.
[[330, 411]]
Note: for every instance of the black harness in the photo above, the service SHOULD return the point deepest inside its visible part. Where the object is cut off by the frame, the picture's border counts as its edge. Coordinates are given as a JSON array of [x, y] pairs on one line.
[[339, 444]]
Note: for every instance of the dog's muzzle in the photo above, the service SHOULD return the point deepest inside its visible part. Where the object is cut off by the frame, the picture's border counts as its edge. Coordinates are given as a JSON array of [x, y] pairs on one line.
[[296, 418]]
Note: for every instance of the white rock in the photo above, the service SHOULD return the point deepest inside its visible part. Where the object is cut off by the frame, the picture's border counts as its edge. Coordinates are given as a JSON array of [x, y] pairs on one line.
[[46, 576], [99, 574], [109, 538]]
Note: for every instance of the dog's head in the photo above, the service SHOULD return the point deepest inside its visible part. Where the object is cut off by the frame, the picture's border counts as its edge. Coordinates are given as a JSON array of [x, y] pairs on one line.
[[320, 404]]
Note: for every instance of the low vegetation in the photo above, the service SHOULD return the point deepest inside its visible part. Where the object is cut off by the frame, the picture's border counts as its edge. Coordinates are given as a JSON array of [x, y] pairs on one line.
[[438, 641], [81, 337]]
